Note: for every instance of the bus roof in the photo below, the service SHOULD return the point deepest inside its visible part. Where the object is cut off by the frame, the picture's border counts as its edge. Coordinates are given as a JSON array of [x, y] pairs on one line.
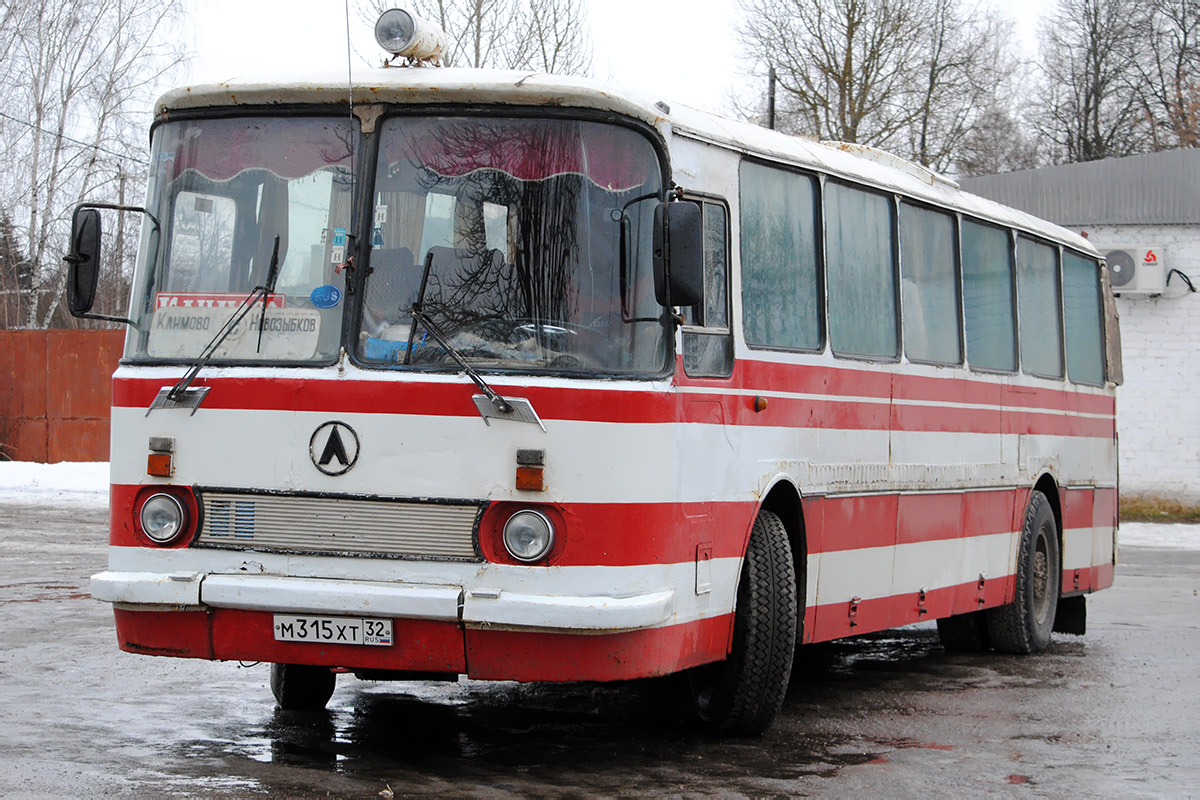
[[429, 85]]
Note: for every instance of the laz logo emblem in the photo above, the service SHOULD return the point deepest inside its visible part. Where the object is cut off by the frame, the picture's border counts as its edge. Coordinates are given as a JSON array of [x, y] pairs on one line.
[[334, 448]]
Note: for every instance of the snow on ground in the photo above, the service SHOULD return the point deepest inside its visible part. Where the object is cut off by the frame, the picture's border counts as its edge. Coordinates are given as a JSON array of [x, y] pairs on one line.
[[65, 483], [1159, 534], [87, 484]]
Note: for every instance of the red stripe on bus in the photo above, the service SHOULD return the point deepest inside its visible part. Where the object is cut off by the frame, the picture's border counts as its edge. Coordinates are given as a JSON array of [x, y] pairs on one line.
[[181, 634], [588, 534], [1087, 579], [230, 634], [932, 517], [1065, 399], [1104, 514], [834, 524], [631, 534], [837, 620], [1057, 425], [992, 390], [536, 656], [430, 646], [1078, 508], [394, 397], [844, 408]]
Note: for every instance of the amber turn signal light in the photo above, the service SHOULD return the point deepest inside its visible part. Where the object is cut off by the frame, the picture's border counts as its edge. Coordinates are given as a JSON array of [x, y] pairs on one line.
[[159, 465], [531, 467]]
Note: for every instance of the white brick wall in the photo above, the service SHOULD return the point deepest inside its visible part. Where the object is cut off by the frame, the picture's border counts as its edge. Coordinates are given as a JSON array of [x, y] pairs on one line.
[[1158, 407]]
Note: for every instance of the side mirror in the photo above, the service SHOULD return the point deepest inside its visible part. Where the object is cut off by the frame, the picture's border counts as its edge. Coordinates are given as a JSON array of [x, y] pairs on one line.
[[83, 260], [678, 254]]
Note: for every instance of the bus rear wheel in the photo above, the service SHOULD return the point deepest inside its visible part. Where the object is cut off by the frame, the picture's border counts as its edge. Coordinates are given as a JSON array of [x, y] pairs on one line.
[[743, 694], [300, 687], [1025, 624]]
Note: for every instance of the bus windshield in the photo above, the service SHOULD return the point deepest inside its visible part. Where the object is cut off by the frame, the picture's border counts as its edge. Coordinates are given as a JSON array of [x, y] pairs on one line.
[[222, 191], [526, 242]]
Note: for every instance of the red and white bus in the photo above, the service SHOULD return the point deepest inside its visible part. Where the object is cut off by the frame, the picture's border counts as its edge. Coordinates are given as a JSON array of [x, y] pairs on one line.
[[455, 372]]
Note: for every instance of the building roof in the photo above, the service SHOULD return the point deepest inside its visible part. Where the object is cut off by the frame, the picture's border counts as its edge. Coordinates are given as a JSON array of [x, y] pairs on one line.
[[1153, 189]]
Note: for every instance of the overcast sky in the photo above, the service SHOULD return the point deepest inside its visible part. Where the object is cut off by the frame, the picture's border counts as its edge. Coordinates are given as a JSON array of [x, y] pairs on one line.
[[684, 51]]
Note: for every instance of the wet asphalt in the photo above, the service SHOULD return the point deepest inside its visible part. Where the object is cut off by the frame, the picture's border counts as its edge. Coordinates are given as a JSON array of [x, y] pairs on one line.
[[1115, 713]]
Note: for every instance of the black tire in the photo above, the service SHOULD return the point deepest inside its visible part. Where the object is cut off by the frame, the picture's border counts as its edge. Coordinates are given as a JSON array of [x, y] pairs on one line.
[[1024, 625], [743, 694], [299, 687], [965, 633]]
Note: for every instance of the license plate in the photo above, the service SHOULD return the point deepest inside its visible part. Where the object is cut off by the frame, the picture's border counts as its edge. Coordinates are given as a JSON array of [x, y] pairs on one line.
[[333, 630]]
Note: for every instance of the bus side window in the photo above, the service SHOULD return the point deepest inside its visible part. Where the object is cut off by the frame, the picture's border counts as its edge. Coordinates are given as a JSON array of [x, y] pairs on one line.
[[1038, 304], [929, 285], [1084, 319], [860, 273], [707, 339], [778, 224], [988, 297]]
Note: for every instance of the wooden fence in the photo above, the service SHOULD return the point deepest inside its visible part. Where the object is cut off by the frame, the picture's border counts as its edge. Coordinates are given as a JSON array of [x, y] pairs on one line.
[[55, 394]]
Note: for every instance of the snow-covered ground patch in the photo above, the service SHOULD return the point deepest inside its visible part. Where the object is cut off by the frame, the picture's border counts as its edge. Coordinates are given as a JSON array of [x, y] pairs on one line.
[[65, 483], [87, 484], [1159, 534]]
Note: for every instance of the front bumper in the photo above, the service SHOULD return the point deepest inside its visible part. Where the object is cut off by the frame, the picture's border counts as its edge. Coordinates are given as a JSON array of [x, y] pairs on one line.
[[482, 607]]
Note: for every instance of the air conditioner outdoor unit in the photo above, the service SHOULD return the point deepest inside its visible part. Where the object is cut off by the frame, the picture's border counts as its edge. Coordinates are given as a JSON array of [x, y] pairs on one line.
[[1136, 268]]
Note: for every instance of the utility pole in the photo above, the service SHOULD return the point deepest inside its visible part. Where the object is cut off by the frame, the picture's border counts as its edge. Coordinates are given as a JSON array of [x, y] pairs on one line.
[[771, 97], [119, 283]]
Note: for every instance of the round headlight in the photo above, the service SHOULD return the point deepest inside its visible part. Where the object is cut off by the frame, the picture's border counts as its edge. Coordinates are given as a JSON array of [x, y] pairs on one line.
[[163, 517], [528, 535], [395, 30]]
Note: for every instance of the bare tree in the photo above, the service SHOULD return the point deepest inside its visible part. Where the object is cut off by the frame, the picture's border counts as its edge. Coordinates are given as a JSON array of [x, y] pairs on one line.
[[73, 98], [911, 76], [999, 141], [542, 35], [965, 73], [1091, 50], [1169, 72], [556, 38], [14, 274], [841, 64]]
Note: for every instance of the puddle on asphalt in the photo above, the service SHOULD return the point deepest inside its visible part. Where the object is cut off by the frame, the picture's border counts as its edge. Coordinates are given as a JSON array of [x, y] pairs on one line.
[[481, 728], [591, 732]]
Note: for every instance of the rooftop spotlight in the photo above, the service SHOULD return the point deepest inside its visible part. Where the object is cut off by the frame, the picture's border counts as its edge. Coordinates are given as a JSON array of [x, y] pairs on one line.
[[404, 34]]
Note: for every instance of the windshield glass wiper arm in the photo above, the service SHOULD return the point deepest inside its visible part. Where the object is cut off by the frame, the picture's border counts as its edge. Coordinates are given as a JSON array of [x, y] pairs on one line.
[[262, 292], [499, 402]]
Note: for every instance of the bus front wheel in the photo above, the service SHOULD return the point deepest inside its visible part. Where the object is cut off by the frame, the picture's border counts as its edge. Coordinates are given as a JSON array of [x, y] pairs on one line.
[[299, 687], [743, 694], [1024, 625]]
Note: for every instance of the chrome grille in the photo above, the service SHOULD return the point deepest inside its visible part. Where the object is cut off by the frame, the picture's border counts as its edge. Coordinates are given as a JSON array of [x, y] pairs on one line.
[[339, 525]]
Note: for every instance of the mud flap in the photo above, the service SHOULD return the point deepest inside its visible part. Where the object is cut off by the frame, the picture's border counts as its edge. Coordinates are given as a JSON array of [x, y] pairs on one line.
[[1071, 616]]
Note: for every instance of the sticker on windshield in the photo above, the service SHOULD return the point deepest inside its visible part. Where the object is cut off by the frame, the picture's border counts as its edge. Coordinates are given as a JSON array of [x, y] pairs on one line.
[[209, 300], [326, 296], [288, 334], [337, 255], [377, 238], [339, 237]]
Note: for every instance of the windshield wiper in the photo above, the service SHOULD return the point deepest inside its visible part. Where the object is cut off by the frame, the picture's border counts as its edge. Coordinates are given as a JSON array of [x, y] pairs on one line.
[[177, 393], [517, 409], [419, 316], [502, 405]]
